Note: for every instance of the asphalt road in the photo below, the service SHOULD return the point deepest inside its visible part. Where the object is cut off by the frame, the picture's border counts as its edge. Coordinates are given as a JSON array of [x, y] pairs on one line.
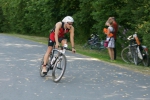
[[85, 78]]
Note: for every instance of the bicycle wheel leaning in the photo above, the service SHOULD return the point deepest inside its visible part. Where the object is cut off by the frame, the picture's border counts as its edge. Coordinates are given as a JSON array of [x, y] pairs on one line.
[[145, 57], [86, 45], [59, 66], [96, 46], [126, 55]]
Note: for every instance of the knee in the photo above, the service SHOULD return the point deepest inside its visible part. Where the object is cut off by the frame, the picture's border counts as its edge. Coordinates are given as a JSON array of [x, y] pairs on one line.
[[64, 41]]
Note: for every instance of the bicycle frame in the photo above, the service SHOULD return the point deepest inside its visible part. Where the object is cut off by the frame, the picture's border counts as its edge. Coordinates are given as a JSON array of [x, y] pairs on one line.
[[137, 53], [62, 51], [57, 63], [132, 49]]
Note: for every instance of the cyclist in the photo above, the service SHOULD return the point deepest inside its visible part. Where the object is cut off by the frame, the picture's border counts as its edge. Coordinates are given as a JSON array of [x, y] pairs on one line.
[[57, 36]]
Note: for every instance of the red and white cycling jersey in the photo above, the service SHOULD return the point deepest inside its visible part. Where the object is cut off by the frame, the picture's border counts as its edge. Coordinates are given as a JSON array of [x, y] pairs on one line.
[[61, 33]]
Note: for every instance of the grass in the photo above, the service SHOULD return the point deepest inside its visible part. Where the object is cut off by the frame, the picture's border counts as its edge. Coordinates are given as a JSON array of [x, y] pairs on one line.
[[101, 55]]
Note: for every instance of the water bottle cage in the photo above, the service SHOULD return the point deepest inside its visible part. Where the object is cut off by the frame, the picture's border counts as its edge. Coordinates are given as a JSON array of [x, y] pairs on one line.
[[53, 60]]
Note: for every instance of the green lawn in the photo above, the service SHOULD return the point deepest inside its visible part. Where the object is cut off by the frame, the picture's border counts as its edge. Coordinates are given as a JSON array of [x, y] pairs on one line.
[[101, 55]]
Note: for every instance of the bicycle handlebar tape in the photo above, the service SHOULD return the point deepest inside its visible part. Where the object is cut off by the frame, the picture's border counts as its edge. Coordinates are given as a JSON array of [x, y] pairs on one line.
[[136, 39], [65, 45]]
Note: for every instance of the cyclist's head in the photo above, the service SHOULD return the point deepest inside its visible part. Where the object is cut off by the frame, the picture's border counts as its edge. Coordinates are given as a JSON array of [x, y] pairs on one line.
[[68, 19]]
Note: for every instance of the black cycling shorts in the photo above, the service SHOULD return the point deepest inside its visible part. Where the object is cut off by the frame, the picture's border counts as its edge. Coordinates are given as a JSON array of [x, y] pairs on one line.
[[51, 43]]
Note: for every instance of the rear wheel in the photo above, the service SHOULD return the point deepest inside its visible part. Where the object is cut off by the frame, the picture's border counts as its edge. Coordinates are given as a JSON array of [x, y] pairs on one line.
[[59, 68], [96, 45], [145, 58], [41, 73], [86, 45], [48, 64]]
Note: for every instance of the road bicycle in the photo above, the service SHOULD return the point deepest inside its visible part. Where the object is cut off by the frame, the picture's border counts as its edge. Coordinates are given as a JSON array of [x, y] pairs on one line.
[[56, 62], [135, 52], [94, 43]]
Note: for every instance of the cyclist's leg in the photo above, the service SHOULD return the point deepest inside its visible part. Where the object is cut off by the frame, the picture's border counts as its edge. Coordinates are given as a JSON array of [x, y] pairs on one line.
[[49, 49]]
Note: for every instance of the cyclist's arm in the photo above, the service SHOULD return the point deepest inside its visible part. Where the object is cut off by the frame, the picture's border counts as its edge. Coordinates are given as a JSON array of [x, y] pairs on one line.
[[57, 27], [72, 36]]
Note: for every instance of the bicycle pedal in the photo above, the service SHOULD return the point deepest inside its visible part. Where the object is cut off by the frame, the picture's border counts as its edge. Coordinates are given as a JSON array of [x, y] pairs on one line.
[[45, 73], [51, 68], [59, 68], [48, 69]]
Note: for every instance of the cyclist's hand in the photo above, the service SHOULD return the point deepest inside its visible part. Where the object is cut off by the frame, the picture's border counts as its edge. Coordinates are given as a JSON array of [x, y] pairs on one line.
[[56, 45], [73, 50]]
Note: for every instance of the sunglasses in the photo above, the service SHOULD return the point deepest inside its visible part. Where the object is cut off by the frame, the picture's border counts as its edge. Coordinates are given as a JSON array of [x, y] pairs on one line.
[[70, 23]]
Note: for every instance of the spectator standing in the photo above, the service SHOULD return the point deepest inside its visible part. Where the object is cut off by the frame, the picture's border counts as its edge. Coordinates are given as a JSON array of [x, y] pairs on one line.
[[109, 32], [115, 26]]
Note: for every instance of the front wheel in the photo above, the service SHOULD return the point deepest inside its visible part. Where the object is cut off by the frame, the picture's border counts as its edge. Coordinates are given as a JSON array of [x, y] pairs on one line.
[[126, 55], [59, 68]]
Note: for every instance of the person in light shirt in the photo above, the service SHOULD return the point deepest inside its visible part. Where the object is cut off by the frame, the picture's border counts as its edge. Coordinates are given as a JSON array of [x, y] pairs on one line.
[[115, 26]]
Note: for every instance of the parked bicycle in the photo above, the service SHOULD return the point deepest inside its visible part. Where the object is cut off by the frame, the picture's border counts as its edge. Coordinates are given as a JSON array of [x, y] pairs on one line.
[[94, 43], [57, 63], [135, 52]]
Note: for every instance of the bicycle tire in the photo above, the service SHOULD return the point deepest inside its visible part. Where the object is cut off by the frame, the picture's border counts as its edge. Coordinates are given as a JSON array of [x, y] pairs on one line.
[[59, 68], [145, 60], [96, 46], [126, 55], [86, 45]]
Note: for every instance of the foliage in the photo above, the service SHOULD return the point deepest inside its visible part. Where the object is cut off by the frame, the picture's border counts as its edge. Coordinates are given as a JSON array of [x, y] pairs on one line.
[[37, 17]]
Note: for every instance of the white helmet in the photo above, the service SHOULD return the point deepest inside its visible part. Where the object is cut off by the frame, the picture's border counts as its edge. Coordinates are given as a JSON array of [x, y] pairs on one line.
[[68, 19]]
